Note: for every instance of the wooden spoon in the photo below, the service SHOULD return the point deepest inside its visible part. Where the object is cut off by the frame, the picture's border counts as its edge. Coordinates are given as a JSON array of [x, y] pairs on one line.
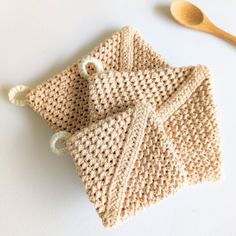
[[191, 16]]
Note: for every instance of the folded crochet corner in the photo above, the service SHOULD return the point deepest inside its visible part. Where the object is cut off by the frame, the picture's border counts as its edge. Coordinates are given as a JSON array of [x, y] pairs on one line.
[[63, 100], [182, 98], [126, 163]]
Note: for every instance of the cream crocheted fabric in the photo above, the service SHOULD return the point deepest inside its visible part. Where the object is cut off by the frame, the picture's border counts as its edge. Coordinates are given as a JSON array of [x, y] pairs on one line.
[[126, 163], [137, 128], [63, 100], [182, 98], [151, 132]]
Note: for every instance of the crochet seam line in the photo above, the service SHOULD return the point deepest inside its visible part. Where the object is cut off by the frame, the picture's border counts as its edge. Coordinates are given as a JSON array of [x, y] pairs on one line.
[[185, 91], [129, 155], [126, 58]]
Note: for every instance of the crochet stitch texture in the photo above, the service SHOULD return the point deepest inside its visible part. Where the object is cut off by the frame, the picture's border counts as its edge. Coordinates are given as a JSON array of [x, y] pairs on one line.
[[126, 163], [182, 98], [63, 100], [151, 132]]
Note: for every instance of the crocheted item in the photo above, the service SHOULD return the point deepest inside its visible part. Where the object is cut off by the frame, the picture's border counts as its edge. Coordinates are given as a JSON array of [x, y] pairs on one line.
[[182, 98], [142, 129], [126, 163], [63, 100]]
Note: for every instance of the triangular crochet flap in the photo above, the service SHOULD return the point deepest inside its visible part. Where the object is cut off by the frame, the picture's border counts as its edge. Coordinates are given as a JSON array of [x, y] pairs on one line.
[[194, 131], [114, 91], [183, 99], [126, 163], [63, 100]]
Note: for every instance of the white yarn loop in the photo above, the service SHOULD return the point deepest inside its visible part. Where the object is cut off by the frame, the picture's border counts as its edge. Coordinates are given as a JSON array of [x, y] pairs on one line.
[[93, 60], [59, 136], [17, 91]]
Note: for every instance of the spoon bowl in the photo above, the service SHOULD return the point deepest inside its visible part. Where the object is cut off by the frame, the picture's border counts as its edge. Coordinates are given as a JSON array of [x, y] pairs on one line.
[[191, 16], [186, 13]]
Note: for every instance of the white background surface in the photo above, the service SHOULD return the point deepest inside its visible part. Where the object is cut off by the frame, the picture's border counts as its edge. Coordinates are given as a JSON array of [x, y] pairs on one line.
[[40, 193]]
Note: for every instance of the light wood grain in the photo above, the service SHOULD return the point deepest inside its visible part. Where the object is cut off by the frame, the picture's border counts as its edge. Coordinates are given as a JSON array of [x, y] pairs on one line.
[[191, 16]]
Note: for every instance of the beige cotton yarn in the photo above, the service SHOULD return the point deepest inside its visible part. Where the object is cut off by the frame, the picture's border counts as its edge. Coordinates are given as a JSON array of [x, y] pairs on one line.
[[182, 98], [63, 100], [151, 132], [126, 163], [136, 128]]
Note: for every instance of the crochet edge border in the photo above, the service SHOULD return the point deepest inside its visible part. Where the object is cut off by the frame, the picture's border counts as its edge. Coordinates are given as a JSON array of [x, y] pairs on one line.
[[185, 91], [126, 51], [129, 155]]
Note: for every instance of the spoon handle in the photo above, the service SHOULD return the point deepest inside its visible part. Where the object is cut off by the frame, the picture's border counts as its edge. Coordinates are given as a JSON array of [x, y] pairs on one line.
[[223, 34]]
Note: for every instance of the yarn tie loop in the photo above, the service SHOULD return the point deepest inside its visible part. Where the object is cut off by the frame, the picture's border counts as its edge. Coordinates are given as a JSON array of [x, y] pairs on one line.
[[17, 95], [90, 60]]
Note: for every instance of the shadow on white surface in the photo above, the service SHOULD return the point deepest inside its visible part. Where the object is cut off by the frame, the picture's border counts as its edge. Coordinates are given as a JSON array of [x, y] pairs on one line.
[[163, 10]]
